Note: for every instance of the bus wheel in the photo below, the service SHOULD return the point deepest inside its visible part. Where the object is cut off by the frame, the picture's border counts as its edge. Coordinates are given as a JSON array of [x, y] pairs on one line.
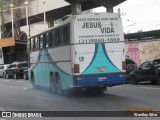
[[59, 86], [101, 90], [53, 84], [32, 79]]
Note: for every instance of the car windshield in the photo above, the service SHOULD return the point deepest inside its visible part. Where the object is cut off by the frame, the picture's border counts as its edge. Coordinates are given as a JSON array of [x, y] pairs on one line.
[[156, 63], [22, 65]]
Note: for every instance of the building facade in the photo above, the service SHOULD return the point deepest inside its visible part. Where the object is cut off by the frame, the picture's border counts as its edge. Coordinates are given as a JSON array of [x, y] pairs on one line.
[[143, 46]]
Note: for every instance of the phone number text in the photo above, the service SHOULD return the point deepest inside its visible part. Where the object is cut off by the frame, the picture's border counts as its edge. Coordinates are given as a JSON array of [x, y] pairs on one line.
[[99, 40]]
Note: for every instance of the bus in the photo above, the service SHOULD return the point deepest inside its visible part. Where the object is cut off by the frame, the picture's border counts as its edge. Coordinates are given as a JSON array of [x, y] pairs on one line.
[[85, 51]]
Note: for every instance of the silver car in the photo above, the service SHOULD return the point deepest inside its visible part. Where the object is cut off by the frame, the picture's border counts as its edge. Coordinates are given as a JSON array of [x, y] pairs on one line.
[[2, 70]]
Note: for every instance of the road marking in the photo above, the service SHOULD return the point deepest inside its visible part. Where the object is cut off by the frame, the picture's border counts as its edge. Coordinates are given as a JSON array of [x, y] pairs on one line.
[[150, 88], [49, 98]]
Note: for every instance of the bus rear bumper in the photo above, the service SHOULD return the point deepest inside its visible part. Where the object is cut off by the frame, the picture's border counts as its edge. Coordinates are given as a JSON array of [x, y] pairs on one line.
[[99, 80]]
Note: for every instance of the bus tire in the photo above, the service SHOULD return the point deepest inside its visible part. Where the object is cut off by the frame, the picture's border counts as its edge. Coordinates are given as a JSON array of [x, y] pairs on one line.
[[32, 79], [59, 86], [101, 90], [53, 84]]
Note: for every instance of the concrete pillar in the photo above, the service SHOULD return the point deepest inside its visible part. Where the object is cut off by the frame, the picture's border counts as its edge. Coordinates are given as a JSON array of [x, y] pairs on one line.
[[76, 9]]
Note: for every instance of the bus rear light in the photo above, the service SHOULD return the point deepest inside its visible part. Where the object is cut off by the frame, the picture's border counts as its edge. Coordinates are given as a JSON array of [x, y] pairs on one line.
[[76, 68], [80, 78], [123, 65]]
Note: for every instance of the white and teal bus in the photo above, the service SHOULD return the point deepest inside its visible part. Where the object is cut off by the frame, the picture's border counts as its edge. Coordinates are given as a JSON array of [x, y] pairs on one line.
[[85, 51]]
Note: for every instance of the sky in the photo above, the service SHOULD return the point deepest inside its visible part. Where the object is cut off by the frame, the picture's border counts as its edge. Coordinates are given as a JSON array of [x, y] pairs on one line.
[[139, 15]]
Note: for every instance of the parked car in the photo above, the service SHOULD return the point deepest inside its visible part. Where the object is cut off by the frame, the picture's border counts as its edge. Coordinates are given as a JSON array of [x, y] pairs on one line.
[[2, 70], [148, 71], [16, 70], [130, 66]]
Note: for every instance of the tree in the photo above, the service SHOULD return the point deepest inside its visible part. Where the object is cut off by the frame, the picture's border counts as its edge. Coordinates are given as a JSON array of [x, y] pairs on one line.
[[4, 4], [2, 18]]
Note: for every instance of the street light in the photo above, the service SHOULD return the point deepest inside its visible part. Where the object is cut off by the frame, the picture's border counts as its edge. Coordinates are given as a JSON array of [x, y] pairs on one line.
[[44, 12], [11, 6]]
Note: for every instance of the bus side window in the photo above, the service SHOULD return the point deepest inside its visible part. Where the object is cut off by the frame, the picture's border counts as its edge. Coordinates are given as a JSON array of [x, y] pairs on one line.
[[44, 40], [61, 36], [50, 39], [53, 38], [32, 44], [41, 42], [65, 35], [29, 44], [37, 42], [68, 33], [47, 39], [57, 36]]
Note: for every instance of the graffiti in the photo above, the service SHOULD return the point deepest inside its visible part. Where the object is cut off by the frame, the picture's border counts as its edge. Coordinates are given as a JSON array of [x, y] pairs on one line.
[[150, 51], [134, 53], [144, 51]]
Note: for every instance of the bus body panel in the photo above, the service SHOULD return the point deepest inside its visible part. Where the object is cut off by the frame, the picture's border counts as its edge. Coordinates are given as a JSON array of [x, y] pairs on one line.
[[99, 80], [99, 50], [46, 61]]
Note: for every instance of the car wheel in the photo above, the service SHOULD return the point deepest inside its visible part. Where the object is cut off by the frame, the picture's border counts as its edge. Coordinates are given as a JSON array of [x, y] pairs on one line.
[[158, 79], [15, 76], [133, 80], [24, 76], [4, 75], [7, 76], [153, 82]]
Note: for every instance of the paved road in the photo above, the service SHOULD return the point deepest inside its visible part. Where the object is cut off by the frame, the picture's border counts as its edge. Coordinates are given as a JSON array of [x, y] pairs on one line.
[[18, 95]]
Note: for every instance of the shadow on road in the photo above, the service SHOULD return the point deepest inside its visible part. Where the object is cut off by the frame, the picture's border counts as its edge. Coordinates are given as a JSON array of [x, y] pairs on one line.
[[84, 94]]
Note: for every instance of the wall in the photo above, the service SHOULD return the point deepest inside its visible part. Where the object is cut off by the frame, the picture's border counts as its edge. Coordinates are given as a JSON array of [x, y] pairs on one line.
[[144, 50]]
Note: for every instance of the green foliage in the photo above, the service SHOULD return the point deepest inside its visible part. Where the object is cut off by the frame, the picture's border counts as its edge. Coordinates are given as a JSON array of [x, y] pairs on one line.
[[1, 4], [16, 2], [4, 4]]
